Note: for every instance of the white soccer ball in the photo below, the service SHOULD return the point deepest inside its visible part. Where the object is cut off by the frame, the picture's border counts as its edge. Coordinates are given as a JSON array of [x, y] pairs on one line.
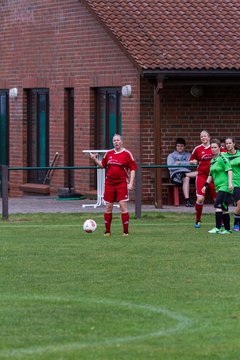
[[89, 226]]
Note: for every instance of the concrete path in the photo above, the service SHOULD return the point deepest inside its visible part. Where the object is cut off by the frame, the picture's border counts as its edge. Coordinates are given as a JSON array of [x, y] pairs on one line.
[[48, 204]]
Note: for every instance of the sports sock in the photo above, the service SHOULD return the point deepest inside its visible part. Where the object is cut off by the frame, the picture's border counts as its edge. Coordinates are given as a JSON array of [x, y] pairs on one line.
[[108, 221], [226, 221], [125, 222], [236, 219], [219, 218], [198, 208]]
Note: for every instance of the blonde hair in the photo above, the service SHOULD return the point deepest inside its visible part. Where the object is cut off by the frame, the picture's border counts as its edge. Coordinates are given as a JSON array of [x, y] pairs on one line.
[[118, 136], [204, 131]]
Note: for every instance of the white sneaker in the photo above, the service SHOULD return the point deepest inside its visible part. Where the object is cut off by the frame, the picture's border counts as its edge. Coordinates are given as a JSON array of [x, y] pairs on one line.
[[215, 231], [226, 231]]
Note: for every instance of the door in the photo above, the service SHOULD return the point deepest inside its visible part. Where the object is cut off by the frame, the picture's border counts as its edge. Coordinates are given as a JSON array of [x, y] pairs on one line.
[[38, 133], [108, 116]]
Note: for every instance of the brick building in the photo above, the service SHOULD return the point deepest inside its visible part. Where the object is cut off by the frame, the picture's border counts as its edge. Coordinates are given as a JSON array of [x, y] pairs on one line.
[[70, 59]]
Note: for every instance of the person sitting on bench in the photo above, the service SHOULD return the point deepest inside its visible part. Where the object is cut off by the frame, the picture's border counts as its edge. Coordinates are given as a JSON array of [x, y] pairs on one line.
[[181, 176]]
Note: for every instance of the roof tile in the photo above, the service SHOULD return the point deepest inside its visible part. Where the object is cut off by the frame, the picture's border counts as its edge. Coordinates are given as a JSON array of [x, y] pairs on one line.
[[175, 34]]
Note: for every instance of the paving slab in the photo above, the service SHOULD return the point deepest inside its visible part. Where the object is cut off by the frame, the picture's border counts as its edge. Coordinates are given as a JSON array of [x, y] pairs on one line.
[[49, 204]]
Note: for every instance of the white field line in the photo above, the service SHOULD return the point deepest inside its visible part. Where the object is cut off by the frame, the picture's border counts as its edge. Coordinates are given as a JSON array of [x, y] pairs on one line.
[[182, 323]]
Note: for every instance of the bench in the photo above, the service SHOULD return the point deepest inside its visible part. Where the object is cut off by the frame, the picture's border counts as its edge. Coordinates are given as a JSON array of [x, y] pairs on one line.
[[172, 189], [35, 188]]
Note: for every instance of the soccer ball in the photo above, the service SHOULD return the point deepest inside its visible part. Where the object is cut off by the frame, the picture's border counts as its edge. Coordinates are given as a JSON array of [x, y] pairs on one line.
[[89, 226]]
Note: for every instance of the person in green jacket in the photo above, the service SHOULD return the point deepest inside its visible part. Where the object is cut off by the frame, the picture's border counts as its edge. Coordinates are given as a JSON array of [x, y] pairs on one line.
[[221, 174], [233, 155]]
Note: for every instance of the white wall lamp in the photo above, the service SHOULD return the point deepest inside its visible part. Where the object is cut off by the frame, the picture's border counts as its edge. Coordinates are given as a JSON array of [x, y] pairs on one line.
[[13, 93], [126, 90]]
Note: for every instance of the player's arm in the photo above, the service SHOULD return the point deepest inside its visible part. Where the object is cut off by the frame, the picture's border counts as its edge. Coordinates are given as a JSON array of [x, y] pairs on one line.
[[230, 185], [131, 179], [93, 156], [132, 166], [193, 162], [228, 168], [187, 161], [170, 159], [208, 181], [193, 158]]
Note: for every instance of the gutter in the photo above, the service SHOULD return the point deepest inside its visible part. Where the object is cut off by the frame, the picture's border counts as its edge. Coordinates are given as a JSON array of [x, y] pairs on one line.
[[184, 73]]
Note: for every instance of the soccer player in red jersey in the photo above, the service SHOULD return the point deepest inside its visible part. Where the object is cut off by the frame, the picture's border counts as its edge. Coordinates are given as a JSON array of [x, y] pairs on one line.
[[120, 174], [201, 156]]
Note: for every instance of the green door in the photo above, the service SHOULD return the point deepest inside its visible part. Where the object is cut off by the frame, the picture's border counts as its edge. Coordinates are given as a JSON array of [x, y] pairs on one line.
[[114, 116], [108, 116], [38, 133]]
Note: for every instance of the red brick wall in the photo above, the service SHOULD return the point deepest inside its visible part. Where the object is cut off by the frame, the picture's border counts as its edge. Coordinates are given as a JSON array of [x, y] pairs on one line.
[[59, 44], [147, 139], [182, 115]]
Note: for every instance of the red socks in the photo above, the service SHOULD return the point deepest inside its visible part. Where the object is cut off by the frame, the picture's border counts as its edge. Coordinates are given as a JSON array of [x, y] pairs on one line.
[[198, 208], [108, 221], [125, 222]]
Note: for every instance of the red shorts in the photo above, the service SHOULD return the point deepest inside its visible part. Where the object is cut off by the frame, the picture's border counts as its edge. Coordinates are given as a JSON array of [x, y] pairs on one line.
[[115, 192], [200, 182]]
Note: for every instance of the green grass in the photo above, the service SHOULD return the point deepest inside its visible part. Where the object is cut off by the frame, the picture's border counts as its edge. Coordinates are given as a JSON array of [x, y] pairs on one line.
[[168, 291]]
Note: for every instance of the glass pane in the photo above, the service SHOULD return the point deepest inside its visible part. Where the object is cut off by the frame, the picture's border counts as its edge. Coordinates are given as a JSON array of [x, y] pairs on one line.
[[37, 134], [108, 116], [42, 131], [112, 118], [102, 121], [33, 127]]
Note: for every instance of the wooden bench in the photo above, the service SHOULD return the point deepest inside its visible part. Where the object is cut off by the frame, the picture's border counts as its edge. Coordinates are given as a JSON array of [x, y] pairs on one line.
[[35, 188], [172, 189]]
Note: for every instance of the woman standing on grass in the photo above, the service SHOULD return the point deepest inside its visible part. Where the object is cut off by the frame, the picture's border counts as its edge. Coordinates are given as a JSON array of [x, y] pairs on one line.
[[120, 175], [202, 156], [233, 155], [221, 173]]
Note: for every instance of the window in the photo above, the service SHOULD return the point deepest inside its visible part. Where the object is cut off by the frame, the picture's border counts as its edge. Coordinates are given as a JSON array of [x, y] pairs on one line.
[[38, 133], [108, 116], [4, 128]]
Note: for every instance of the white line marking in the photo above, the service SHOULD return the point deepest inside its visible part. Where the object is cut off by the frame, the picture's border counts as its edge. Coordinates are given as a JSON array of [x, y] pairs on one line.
[[183, 322]]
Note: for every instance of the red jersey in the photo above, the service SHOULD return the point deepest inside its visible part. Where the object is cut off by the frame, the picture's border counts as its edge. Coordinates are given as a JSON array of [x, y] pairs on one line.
[[118, 164], [203, 155]]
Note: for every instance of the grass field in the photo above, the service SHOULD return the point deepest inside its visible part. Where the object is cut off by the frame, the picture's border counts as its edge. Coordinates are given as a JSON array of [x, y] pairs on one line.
[[168, 291]]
